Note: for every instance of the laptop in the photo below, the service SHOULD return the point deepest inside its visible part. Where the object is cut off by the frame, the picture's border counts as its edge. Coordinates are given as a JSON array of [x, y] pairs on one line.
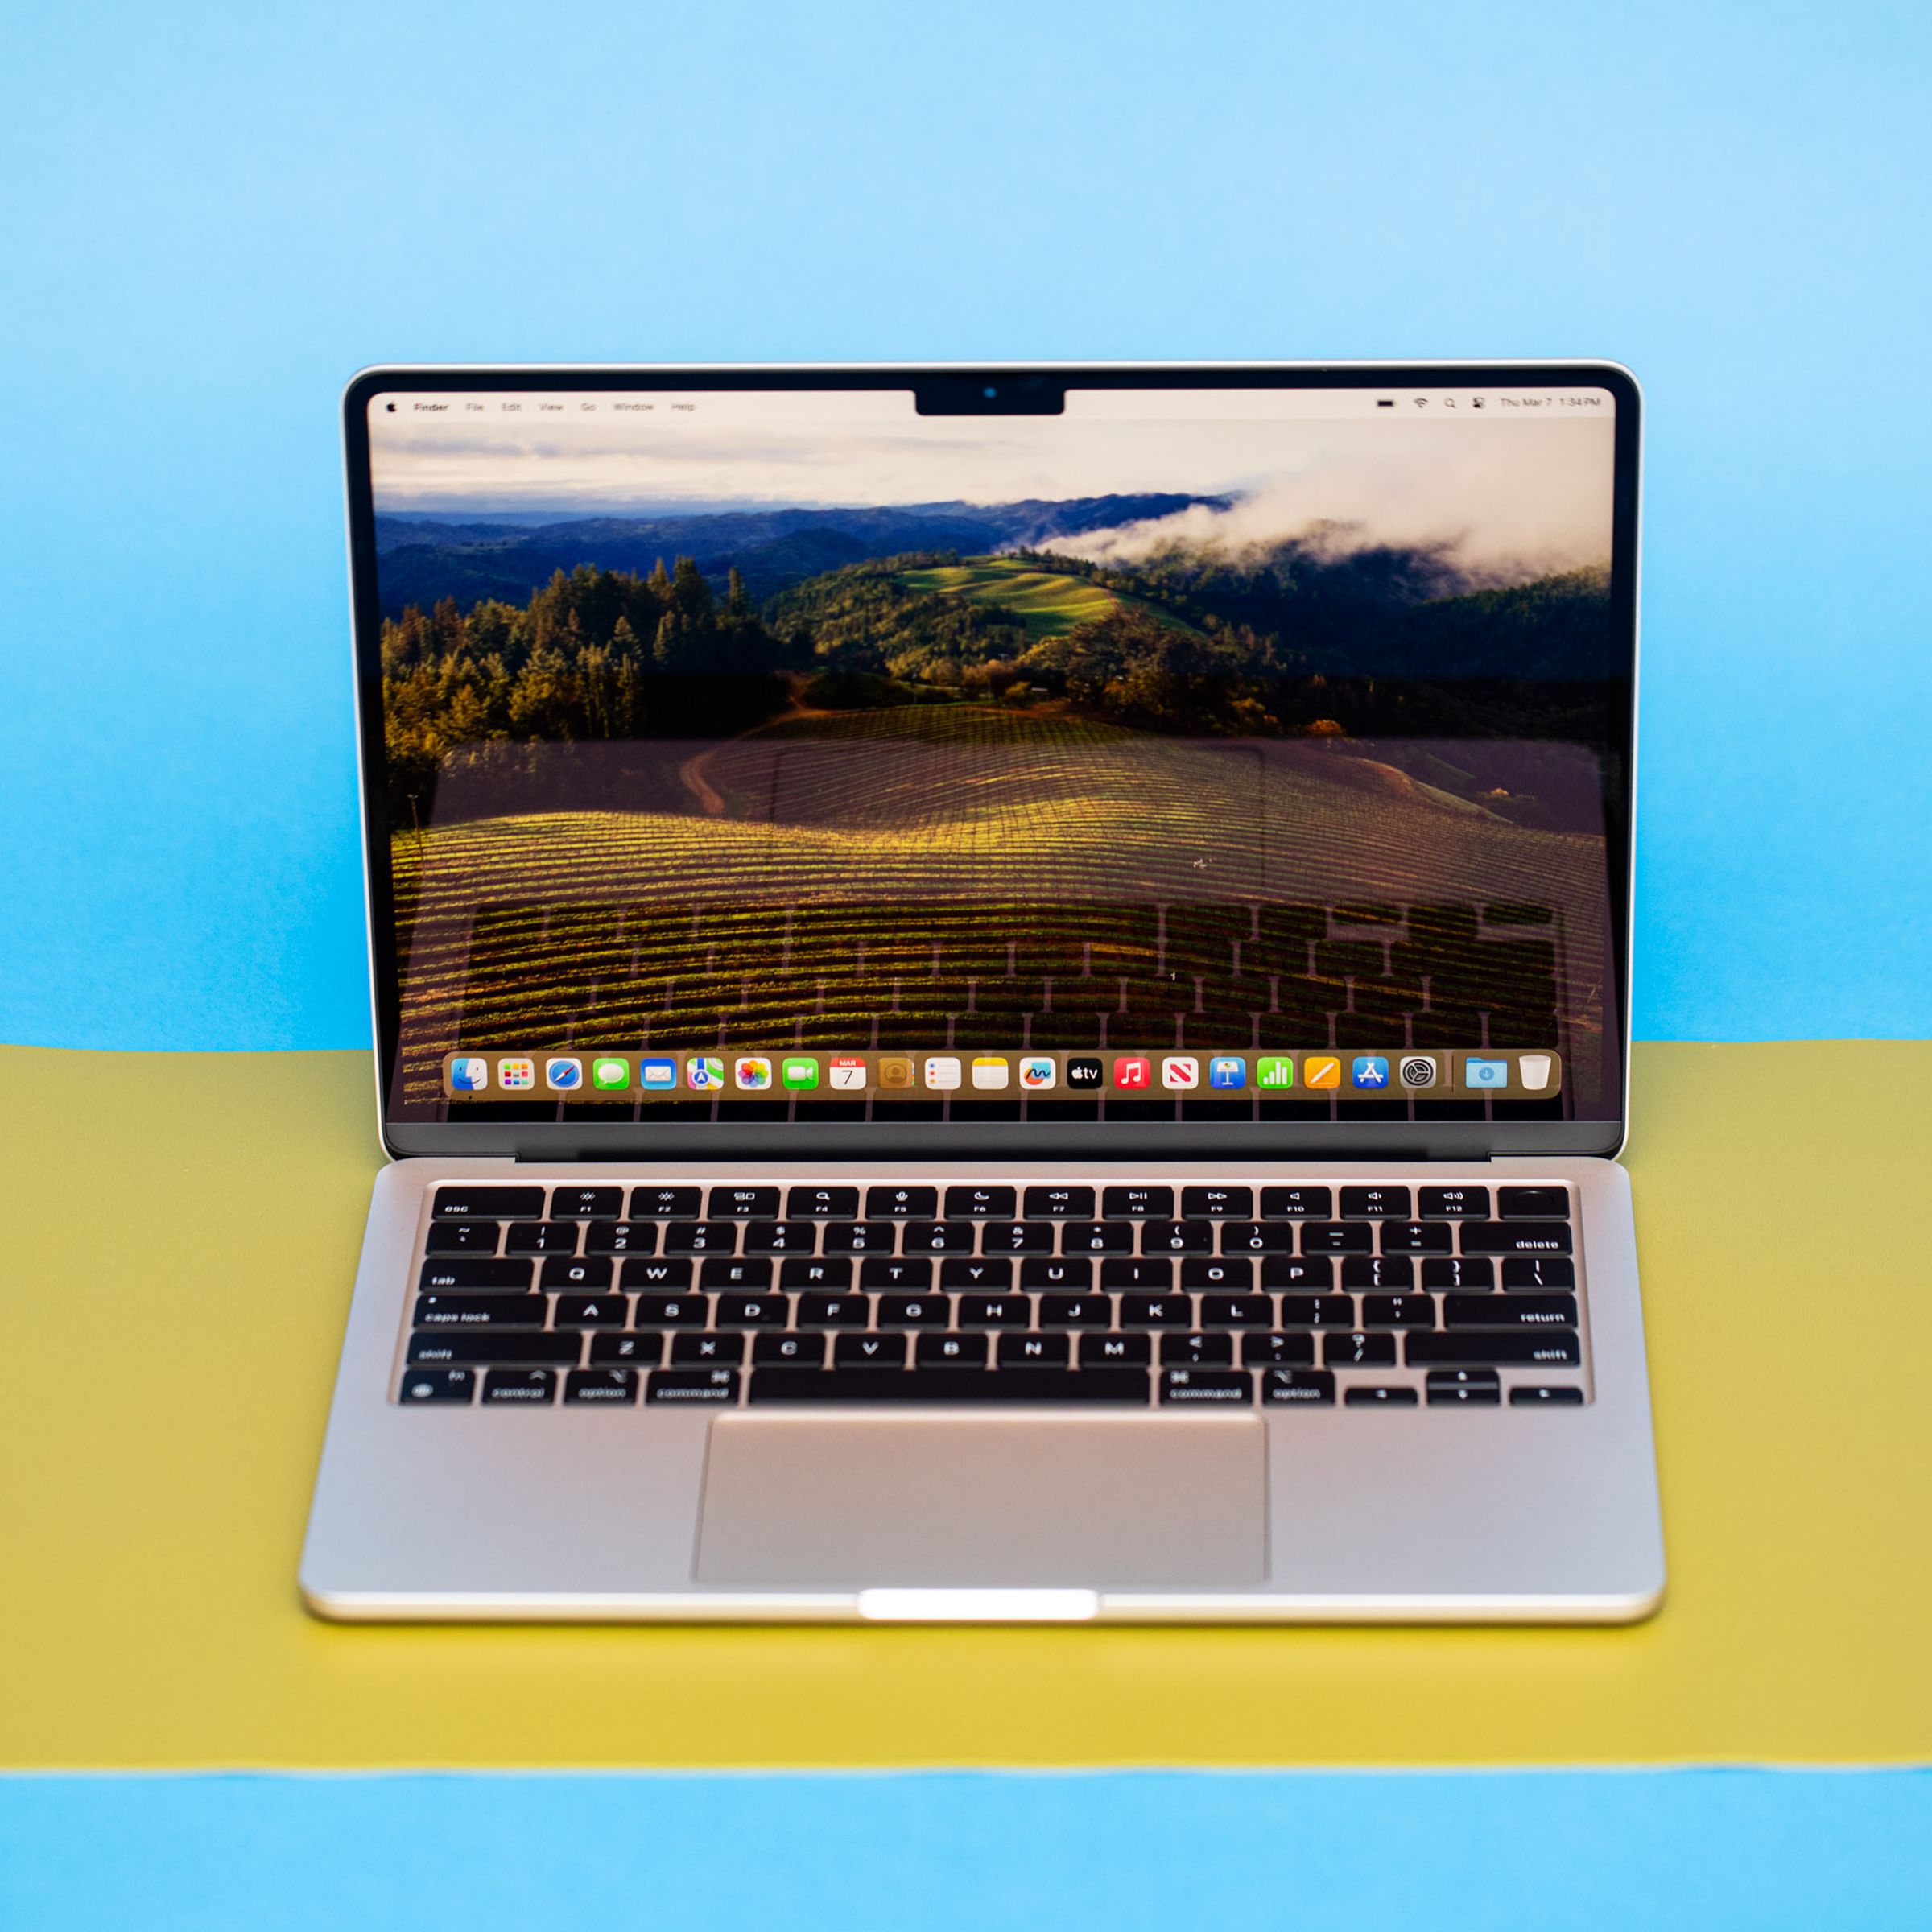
[[1000, 993]]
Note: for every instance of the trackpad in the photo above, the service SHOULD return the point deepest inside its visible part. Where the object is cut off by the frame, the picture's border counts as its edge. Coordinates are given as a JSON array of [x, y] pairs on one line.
[[865, 1501]]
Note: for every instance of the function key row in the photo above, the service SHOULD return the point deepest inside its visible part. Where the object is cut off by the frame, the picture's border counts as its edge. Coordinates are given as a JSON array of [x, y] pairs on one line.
[[492, 1202]]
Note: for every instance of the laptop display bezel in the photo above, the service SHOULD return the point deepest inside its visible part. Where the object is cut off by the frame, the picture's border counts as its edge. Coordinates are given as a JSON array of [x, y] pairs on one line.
[[1023, 1141]]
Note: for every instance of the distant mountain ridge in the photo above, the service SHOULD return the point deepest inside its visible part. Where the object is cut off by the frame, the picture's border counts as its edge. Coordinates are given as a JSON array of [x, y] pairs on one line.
[[423, 559]]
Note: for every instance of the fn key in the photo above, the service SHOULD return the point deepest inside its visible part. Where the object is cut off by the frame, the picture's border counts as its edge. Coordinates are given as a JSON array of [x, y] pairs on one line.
[[440, 1385]]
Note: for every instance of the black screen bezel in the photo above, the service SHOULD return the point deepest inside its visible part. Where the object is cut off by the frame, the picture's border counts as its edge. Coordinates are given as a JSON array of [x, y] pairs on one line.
[[1178, 1140]]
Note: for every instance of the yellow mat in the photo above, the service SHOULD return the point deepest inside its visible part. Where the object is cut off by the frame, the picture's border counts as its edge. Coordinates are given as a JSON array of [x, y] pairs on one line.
[[182, 1232]]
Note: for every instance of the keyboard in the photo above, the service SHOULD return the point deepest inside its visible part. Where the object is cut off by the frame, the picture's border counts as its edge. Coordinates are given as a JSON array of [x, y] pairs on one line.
[[1229, 977], [1286, 1295]]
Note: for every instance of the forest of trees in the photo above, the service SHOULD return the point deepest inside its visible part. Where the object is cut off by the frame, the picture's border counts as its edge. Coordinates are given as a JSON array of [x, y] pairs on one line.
[[1376, 644]]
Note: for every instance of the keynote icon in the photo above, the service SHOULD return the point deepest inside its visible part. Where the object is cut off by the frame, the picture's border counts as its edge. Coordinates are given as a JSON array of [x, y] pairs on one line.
[[469, 1073], [990, 1073], [847, 1072], [1228, 1069], [1535, 1070], [1321, 1070]]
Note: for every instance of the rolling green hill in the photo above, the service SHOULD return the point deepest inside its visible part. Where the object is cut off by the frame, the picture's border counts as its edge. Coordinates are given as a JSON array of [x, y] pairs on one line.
[[1047, 602]]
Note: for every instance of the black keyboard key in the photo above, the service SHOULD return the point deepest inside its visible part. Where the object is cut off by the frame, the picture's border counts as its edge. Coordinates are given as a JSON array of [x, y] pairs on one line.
[[1179, 1237], [902, 1203], [1375, 1203], [1047, 1274], [1518, 1348], [531, 1386], [1237, 1311], [1294, 1388], [1454, 1203], [656, 1278], [781, 1237], [1257, 1237], [1542, 1271], [1033, 1351], [995, 1311], [1461, 1271], [1359, 1350], [1150, 1274], [1398, 1311], [834, 1310], [1125, 1350], [1392, 1273], [814, 1272], [1337, 1237], [1207, 1387], [980, 1204], [1318, 1311], [464, 1272], [1217, 1204], [638, 1350], [586, 1273], [881, 1271], [1416, 1237], [799, 1351], [1516, 1237], [691, 1351], [1137, 1204], [744, 1203], [484, 1203], [1297, 1204], [613, 1388], [481, 1311], [822, 1204], [728, 1271], [495, 1345], [1311, 1274], [1080, 1386], [664, 1204], [1532, 1203], [1097, 1237], [704, 1385], [753, 1312], [1214, 1274], [975, 1272], [1075, 1311], [1278, 1351], [1545, 1396], [439, 1385], [464, 1237], [621, 1237], [914, 1310], [868, 1351], [1017, 1237], [1380, 1396], [701, 1237], [1156, 1311], [1464, 1388], [592, 1311], [586, 1203], [1509, 1311], [542, 1237], [1058, 1203], [861, 1238], [1197, 1350], [951, 1351], [672, 1311], [941, 1237]]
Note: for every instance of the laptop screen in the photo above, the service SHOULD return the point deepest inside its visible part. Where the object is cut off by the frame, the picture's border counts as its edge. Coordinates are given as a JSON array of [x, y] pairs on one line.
[[1178, 752]]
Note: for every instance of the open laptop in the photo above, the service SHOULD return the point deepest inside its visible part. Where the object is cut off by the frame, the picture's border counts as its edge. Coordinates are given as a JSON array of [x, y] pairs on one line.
[[999, 994]]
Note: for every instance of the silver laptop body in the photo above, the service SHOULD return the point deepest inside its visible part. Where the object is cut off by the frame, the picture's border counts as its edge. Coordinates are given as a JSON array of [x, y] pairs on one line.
[[1000, 993]]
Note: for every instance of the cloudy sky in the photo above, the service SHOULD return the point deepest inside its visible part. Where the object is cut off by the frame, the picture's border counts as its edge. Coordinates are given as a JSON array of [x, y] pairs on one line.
[[1492, 489]]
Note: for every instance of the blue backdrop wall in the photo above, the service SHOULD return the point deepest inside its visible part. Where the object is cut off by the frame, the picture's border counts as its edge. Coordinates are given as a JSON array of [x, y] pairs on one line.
[[209, 215]]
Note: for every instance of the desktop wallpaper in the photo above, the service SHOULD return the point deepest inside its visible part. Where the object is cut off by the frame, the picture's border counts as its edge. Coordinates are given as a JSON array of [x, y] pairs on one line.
[[733, 722]]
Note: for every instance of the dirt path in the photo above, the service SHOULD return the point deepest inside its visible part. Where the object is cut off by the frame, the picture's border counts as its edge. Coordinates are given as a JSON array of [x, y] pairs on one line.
[[696, 780]]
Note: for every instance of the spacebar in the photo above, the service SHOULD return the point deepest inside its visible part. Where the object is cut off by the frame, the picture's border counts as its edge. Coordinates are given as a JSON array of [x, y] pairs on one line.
[[949, 1386]]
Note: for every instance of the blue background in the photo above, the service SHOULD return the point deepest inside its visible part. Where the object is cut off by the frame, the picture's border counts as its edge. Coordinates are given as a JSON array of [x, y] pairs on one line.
[[210, 215], [1686, 1851]]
